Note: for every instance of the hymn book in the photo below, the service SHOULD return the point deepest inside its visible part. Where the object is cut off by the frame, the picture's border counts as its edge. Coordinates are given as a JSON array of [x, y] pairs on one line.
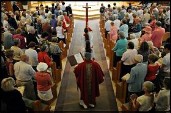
[[75, 59]]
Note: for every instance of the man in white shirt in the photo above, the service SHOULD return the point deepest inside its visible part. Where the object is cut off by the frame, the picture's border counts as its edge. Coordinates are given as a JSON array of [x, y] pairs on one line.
[[165, 68], [24, 74], [131, 19], [32, 54], [117, 22], [128, 59]]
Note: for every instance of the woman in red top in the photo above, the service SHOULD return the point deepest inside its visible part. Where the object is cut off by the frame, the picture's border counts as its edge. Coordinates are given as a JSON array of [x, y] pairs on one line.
[[43, 56], [44, 82], [152, 68]]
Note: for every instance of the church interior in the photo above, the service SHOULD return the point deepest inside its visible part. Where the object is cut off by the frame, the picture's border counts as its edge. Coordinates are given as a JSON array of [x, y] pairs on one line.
[[46, 44]]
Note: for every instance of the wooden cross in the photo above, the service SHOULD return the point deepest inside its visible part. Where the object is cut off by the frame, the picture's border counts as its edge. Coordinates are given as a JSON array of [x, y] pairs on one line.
[[86, 14]]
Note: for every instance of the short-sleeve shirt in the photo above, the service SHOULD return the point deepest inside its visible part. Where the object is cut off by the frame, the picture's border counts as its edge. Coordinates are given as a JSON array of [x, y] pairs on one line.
[[145, 103]]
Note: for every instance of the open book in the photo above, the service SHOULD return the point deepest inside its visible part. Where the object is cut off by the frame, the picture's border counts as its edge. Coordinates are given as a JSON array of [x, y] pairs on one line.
[[75, 59]]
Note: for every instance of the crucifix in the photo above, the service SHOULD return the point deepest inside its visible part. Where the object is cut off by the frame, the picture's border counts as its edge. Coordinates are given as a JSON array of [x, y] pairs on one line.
[[86, 14]]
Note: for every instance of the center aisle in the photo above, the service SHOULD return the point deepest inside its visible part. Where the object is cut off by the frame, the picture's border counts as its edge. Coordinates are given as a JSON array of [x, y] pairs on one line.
[[68, 98]]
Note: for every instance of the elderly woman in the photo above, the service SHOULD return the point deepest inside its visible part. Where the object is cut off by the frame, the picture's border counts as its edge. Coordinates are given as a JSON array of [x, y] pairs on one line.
[[128, 59], [44, 82], [147, 35], [124, 27], [137, 76], [55, 52], [31, 36], [113, 32], [11, 97], [120, 48], [17, 51], [162, 99], [145, 101], [153, 49], [32, 54]]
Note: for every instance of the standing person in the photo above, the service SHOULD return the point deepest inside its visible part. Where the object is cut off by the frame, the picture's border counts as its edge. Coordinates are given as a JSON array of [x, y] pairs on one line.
[[10, 62], [88, 76], [162, 99], [147, 35], [55, 52], [17, 51], [60, 33], [113, 32], [157, 35], [44, 82], [63, 7], [144, 51], [128, 59], [120, 48], [32, 54], [69, 10], [15, 7], [24, 74], [102, 9], [124, 27], [137, 76], [165, 68]]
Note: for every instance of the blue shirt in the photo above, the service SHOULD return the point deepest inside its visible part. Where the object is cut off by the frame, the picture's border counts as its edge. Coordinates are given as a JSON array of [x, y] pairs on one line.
[[137, 76], [124, 28], [120, 47]]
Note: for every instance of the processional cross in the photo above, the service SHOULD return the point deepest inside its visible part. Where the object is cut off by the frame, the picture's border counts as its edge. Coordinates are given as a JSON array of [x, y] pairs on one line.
[[86, 14]]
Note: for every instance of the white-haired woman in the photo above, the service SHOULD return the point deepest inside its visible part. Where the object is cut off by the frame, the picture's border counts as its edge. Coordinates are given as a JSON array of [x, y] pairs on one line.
[[11, 97], [44, 82]]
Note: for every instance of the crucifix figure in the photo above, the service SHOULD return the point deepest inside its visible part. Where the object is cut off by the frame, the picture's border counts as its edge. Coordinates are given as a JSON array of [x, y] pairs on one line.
[[86, 14]]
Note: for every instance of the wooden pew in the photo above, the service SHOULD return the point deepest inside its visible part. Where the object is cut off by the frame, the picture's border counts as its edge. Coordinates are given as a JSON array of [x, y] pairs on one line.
[[64, 51], [108, 45], [121, 90], [116, 72], [111, 53], [56, 73]]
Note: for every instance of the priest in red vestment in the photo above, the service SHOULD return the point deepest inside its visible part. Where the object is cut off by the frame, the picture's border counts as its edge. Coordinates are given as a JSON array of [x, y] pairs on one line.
[[88, 76]]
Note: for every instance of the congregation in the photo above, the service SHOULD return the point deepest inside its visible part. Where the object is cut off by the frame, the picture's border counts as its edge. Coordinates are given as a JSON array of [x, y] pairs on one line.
[[30, 44]]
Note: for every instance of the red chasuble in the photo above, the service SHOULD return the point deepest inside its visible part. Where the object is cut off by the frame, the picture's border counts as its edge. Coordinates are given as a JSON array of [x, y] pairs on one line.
[[96, 78]]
